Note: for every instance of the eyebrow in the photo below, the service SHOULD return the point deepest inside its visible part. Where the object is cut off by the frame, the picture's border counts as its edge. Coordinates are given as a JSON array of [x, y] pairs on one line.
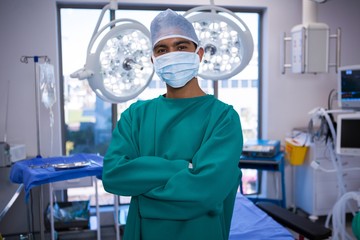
[[177, 43]]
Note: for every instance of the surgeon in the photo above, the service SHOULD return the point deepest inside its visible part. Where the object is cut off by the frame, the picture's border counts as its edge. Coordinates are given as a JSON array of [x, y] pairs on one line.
[[176, 155]]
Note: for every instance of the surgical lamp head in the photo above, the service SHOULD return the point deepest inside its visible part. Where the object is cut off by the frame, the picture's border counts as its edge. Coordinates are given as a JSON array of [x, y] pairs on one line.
[[225, 38], [169, 24]]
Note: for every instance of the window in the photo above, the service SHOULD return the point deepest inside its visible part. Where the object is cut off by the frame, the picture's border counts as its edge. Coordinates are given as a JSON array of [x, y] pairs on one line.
[[87, 123]]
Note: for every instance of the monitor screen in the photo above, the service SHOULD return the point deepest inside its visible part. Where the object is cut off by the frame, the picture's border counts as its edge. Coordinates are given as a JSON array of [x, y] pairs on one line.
[[348, 134], [349, 87]]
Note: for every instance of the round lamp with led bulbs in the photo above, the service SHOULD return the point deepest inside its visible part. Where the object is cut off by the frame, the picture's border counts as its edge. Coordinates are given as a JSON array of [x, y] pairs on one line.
[[118, 64], [226, 39]]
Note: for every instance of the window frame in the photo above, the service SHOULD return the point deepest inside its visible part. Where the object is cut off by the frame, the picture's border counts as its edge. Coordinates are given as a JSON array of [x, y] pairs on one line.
[[159, 7]]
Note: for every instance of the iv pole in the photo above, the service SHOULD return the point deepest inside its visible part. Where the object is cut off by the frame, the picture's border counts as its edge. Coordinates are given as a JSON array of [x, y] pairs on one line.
[[25, 59]]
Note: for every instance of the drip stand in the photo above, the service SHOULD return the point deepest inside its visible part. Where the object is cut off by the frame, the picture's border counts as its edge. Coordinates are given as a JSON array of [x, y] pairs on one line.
[[25, 59]]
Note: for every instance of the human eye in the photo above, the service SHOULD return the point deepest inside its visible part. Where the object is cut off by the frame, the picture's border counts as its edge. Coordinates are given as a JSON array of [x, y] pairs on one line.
[[160, 51], [182, 48]]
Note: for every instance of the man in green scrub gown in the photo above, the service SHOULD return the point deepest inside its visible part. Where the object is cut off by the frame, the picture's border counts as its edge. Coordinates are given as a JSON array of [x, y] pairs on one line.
[[176, 155]]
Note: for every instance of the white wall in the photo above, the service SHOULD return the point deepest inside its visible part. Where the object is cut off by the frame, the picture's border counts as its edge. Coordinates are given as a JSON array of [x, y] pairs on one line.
[[30, 28], [27, 28]]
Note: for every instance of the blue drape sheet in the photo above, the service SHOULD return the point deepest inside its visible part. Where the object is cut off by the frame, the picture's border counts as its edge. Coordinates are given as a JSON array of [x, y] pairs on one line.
[[37, 171]]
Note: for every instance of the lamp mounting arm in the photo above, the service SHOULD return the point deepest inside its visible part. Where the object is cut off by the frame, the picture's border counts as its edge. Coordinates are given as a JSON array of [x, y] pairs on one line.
[[111, 6]]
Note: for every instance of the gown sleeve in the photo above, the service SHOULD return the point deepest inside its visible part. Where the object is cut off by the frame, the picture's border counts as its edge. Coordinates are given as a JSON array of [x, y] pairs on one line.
[[190, 193], [127, 173]]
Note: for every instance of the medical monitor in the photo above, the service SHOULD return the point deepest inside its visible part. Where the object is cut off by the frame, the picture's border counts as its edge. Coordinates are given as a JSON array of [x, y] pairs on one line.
[[349, 87], [348, 134]]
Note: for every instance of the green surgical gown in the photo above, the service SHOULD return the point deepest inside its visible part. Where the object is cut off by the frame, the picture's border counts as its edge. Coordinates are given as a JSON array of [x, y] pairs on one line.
[[148, 158]]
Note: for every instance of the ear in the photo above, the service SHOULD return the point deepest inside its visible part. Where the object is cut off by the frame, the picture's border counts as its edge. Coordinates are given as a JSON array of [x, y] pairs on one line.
[[201, 53]]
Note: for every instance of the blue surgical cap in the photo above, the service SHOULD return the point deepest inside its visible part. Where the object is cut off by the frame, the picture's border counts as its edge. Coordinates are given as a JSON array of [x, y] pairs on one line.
[[169, 24]]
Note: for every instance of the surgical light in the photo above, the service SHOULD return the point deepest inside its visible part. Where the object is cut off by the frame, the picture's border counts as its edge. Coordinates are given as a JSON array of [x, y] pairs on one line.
[[118, 65], [226, 39]]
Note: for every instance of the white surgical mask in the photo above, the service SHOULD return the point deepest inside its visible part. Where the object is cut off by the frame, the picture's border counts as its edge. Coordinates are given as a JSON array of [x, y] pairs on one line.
[[177, 68]]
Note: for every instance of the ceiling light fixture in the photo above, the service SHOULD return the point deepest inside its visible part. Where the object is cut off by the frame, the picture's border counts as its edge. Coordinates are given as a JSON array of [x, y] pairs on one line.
[[118, 65], [226, 39]]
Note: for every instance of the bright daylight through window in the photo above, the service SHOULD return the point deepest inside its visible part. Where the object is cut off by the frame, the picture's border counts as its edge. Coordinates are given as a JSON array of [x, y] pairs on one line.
[[88, 119]]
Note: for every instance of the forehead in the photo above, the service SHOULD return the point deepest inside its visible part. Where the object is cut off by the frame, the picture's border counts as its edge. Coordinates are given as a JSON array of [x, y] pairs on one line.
[[172, 42]]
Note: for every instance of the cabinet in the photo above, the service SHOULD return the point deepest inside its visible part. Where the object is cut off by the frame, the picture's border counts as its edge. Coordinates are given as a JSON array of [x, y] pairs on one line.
[[316, 191]]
